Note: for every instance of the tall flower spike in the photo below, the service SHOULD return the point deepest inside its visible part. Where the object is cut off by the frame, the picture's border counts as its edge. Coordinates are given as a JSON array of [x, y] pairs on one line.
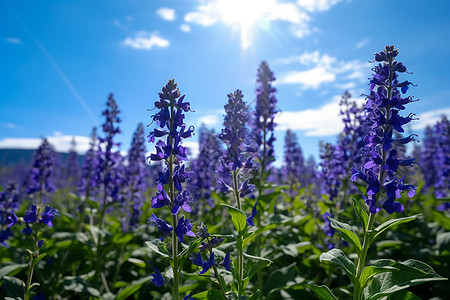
[[263, 121], [9, 201], [234, 134], [109, 155], [136, 171], [89, 177], [40, 177], [383, 107]]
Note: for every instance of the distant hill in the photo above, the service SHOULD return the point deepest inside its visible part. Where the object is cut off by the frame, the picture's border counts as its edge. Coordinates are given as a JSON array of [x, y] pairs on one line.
[[15, 156]]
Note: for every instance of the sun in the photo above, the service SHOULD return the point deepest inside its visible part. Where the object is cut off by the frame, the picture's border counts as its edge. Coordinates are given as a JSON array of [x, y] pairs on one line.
[[245, 14]]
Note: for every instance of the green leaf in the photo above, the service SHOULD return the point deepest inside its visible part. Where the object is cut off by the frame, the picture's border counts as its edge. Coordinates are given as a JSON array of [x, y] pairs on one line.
[[255, 295], [79, 285], [138, 262], [279, 278], [37, 259], [409, 273], [238, 217], [208, 295], [403, 295], [323, 292], [159, 247], [93, 204], [359, 206], [132, 288], [14, 287], [347, 233], [122, 238], [371, 271], [391, 223], [12, 269], [254, 265], [442, 242], [338, 257]]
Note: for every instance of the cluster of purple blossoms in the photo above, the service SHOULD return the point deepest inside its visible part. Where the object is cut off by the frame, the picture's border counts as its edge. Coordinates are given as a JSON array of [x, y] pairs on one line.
[[9, 201], [382, 171], [40, 180], [89, 177], [109, 157], [435, 159], [135, 177], [170, 119], [235, 136], [293, 167], [331, 170], [351, 140], [34, 216], [203, 169], [328, 230], [72, 166], [262, 122]]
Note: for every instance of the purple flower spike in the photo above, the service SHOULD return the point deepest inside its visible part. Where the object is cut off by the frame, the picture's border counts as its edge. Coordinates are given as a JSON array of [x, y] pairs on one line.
[[383, 146]]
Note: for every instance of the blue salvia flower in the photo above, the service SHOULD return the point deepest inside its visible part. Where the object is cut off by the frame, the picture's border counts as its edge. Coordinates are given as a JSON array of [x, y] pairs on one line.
[[234, 135], [40, 180], [9, 201], [442, 156], [331, 170], [254, 213], [262, 122], [90, 179], [383, 107], [158, 279], [172, 129], [226, 262], [165, 228], [108, 155], [203, 168], [72, 166], [351, 140], [188, 297], [135, 176], [206, 265], [33, 216], [293, 164]]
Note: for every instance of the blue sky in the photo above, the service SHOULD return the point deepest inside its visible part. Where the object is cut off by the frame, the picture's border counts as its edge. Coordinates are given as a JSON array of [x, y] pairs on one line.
[[61, 59]]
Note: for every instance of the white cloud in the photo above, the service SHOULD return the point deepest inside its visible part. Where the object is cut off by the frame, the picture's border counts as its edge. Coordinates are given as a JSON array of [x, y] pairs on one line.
[[193, 149], [321, 69], [209, 120], [167, 14], [322, 121], [206, 15], [317, 5], [312, 78], [145, 41], [247, 13], [429, 118], [61, 143], [185, 28], [13, 40], [362, 43]]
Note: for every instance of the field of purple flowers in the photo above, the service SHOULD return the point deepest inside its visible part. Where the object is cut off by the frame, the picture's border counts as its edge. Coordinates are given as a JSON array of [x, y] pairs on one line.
[[229, 224]]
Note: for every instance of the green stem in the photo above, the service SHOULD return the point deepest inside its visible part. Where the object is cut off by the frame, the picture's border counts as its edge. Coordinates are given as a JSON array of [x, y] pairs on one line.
[[31, 267], [240, 240], [362, 258]]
